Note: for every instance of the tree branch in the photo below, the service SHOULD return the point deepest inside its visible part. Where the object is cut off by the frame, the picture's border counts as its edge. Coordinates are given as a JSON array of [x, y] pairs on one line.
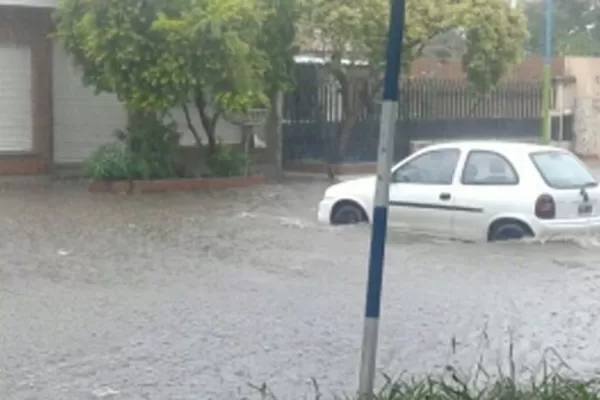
[[422, 43], [190, 125], [208, 122], [200, 104]]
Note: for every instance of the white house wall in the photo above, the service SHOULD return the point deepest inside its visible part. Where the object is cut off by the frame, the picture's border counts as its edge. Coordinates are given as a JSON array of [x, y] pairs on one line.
[[83, 121]]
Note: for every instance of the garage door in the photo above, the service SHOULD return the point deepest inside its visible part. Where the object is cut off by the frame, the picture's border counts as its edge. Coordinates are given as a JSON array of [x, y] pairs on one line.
[[16, 119], [83, 121]]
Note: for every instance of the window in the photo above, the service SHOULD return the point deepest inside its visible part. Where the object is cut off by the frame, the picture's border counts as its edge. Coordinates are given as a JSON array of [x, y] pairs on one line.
[[562, 170], [488, 168], [435, 167]]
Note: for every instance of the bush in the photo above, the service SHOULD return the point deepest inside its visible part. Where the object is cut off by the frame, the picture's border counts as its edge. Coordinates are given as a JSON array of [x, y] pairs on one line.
[[114, 162], [225, 162], [550, 387], [153, 141], [146, 149]]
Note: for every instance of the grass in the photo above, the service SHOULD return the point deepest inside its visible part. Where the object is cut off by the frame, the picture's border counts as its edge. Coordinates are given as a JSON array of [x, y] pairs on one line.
[[548, 387], [551, 387], [545, 382]]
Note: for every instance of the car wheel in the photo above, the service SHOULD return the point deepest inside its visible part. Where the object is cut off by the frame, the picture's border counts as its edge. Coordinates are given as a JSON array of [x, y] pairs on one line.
[[508, 230], [347, 213]]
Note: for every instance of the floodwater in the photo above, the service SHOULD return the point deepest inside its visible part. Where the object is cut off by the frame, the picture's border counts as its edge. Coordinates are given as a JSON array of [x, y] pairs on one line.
[[194, 296]]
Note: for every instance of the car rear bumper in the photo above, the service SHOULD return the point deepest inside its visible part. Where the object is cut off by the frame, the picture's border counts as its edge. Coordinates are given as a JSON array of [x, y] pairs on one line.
[[567, 227], [324, 211]]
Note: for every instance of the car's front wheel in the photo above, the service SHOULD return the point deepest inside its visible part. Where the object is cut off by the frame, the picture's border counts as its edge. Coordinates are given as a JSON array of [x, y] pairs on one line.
[[347, 213]]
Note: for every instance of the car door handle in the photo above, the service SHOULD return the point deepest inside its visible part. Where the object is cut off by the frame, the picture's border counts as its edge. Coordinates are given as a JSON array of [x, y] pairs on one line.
[[445, 196]]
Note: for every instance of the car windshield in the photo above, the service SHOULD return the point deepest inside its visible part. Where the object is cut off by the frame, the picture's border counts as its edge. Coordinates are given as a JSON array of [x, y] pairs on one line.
[[561, 170]]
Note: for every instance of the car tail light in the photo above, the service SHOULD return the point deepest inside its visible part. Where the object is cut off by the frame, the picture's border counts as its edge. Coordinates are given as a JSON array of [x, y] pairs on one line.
[[545, 207]]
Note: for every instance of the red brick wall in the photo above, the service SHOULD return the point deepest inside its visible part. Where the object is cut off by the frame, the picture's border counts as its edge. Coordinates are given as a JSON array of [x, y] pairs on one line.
[[530, 69], [30, 27]]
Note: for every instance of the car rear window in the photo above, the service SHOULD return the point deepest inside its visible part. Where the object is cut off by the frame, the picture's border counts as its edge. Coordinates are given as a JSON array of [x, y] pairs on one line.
[[562, 170]]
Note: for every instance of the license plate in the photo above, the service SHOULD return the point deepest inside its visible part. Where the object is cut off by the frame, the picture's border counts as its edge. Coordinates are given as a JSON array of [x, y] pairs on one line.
[[584, 209]]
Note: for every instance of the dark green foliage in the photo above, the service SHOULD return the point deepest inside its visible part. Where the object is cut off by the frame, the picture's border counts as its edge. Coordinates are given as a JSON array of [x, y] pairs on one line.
[[155, 142], [277, 42], [226, 162], [146, 149], [158, 55], [113, 162], [549, 387]]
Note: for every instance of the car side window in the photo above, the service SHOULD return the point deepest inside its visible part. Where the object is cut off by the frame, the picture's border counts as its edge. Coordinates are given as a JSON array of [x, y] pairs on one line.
[[488, 168], [435, 167]]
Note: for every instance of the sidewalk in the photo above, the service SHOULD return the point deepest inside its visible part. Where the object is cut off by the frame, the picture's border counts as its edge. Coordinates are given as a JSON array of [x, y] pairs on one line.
[[319, 176]]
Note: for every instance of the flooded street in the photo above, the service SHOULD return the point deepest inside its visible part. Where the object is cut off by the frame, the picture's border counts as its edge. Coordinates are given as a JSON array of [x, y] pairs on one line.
[[193, 296]]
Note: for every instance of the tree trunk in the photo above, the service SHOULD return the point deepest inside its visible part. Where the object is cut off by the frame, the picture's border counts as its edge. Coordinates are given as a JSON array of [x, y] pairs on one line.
[[212, 139], [190, 125], [273, 139], [354, 100], [209, 122], [339, 143], [329, 170], [345, 133], [247, 134], [333, 152]]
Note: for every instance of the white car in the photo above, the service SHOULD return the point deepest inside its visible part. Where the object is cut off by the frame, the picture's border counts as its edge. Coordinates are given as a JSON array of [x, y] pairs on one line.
[[478, 191]]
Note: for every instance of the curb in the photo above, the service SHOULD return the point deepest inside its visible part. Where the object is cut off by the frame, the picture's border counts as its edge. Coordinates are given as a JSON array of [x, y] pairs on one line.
[[168, 185]]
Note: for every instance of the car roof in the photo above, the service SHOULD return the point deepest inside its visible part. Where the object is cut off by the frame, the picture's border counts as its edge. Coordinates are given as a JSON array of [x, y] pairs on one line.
[[494, 145]]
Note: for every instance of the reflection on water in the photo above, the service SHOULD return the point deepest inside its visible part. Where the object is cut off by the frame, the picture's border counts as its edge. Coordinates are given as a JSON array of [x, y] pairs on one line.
[[586, 241]]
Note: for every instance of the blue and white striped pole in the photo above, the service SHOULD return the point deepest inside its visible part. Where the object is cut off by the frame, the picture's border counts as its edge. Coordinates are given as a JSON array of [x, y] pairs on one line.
[[385, 158]]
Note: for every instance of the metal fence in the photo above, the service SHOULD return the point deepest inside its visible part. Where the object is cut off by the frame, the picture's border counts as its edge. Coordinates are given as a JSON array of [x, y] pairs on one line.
[[429, 109]]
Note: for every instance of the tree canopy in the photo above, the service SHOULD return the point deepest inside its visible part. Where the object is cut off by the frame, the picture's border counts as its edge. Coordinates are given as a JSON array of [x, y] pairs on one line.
[[159, 54], [353, 33], [494, 34], [575, 28], [224, 56], [278, 42]]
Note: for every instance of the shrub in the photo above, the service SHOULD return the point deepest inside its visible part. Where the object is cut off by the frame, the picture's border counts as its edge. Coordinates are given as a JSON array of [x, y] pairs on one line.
[[153, 141], [226, 162], [146, 149], [551, 387], [114, 162]]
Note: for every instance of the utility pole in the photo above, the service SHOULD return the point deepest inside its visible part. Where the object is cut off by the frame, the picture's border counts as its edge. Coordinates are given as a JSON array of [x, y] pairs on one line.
[[385, 157], [547, 89]]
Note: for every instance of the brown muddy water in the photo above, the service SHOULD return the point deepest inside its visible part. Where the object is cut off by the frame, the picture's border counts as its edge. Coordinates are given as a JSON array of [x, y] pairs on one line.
[[193, 296]]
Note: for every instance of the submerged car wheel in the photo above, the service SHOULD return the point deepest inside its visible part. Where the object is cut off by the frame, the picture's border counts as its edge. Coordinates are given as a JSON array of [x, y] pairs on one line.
[[508, 230], [347, 213]]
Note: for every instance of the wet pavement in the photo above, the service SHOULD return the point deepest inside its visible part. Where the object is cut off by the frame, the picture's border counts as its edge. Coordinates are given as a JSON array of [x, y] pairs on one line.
[[193, 296]]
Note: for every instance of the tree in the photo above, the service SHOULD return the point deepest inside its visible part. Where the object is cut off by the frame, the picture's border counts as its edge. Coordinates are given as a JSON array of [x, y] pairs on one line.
[[278, 42], [353, 34], [575, 29], [160, 54]]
